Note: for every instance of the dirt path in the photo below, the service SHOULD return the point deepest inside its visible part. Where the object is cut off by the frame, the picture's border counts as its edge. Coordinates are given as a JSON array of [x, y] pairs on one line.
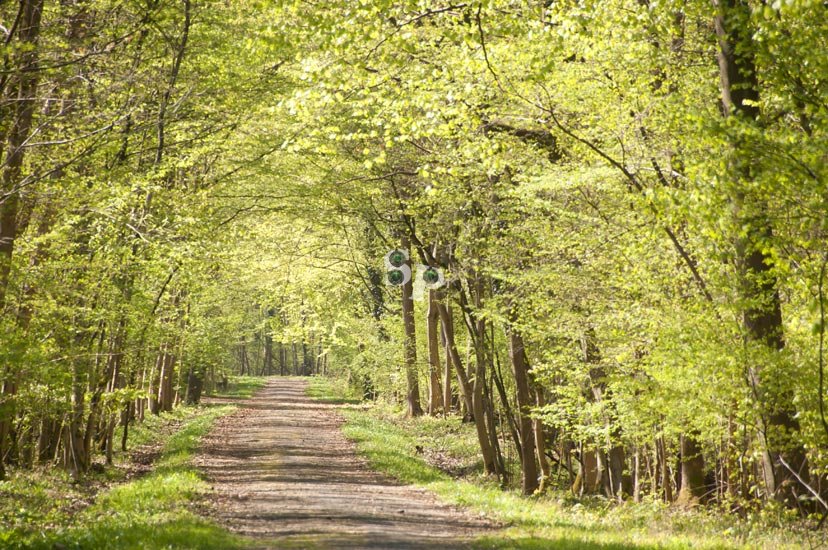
[[285, 474]]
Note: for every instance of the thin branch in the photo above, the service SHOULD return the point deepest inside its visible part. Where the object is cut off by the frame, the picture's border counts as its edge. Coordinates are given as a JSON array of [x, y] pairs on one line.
[[483, 46], [803, 483], [414, 19]]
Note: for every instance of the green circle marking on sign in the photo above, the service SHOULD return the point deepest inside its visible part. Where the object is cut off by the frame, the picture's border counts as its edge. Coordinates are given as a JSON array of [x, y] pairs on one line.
[[395, 277], [430, 276], [396, 258]]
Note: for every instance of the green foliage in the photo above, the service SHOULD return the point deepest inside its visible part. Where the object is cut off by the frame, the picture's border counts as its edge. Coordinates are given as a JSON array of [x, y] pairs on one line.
[[209, 189]]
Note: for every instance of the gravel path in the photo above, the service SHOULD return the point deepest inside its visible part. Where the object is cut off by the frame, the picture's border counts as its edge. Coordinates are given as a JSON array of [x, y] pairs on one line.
[[284, 473]]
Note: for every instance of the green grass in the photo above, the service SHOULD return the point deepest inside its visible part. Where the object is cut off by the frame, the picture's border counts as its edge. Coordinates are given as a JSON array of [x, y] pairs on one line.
[[147, 513], [240, 387], [152, 512], [558, 521], [330, 390]]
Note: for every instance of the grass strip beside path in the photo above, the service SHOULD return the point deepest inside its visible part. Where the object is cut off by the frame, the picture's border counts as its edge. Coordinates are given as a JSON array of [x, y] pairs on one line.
[[43, 509], [154, 510]]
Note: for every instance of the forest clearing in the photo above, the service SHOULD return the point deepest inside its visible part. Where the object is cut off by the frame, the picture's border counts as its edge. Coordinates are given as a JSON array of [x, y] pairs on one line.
[[413, 274]]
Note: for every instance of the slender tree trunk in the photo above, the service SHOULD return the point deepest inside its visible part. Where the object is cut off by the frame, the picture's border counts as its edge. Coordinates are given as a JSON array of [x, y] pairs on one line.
[[166, 365], [268, 354], [636, 490], [77, 460], [447, 394], [410, 345], [611, 466], [26, 78], [435, 395], [520, 369], [477, 334], [464, 384], [540, 441], [664, 469]]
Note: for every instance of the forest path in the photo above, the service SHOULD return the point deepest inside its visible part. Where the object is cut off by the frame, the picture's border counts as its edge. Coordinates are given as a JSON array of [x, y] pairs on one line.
[[284, 473]]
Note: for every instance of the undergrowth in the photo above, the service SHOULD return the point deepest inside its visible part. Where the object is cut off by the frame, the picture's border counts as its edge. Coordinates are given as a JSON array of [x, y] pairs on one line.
[[45, 509], [408, 449]]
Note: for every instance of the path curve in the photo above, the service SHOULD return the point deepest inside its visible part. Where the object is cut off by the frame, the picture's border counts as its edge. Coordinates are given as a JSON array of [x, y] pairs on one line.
[[283, 473]]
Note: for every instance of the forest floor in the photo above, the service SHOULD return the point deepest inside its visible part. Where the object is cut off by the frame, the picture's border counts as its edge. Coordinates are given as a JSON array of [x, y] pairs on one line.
[[283, 473]]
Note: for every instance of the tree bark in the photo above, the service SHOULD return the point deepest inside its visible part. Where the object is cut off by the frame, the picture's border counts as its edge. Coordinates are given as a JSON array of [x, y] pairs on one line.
[[166, 365], [447, 322], [612, 467], [762, 317], [477, 333], [268, 353], [447, 394], [588, 480], [76, 460], [520, 369], [540, 441], [692, 471], [664, 469], [410, 345], [435, 395], [26, 77]]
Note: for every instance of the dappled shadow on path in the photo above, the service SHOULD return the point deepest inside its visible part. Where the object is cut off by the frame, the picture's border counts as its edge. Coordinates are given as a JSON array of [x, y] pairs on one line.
[[284, 474]]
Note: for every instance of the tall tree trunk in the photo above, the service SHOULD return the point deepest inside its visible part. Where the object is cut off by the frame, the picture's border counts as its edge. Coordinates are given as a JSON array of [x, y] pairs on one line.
[[26, 77], [76, 458], [305, 370], [477, 334], [435, 395], [268, 353], [472, 392], [762, 317], [520, 369], [166, 366], [410, 345], [611, 467], [664, 469], [636, 473], [692, 471], [588, 480], [540, 441], [447, 394], [447, 322]]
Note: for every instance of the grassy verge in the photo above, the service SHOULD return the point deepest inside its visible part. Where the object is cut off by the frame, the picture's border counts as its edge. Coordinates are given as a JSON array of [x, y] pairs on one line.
[[45, 509], [330, 390], [240, 387], [396, 446]]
